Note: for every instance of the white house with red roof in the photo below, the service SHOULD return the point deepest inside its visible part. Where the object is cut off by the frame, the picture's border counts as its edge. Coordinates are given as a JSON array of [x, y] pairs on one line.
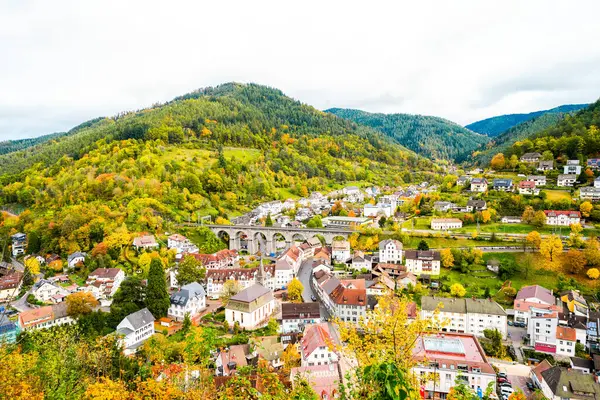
[[221, 259], [528, 188], [246, 277], [145, 242], [452, 356], [566, 338], [317, 346], [346, 299], [103, 283], [562, 218], [181, 244]]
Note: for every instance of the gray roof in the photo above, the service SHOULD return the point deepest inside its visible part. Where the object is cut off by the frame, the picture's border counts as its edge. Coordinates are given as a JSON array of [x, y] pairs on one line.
[[477, 306], [140, 318], [565, 383], [330, 285], [251, 293], [476, 203], [186, 292], [59, 310], [502, 182], [385, 242], [75, 255]]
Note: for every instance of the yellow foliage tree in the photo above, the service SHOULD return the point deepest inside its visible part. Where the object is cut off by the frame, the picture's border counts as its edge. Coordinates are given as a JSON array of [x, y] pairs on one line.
[[593, 273], [551, 247], [534, 239], [80, 303], [458, 290], [586, 208], [486, 215], [498, 162], [447, 258], [33, 264], [294, 290], [222, 221], [56, 265]]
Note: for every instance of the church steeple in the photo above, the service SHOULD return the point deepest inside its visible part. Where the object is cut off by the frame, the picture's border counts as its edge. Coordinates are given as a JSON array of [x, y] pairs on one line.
[[260, 277]]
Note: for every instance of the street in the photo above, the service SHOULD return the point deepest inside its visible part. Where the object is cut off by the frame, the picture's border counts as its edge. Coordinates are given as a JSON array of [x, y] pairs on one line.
[[305, 275], [518, 374]]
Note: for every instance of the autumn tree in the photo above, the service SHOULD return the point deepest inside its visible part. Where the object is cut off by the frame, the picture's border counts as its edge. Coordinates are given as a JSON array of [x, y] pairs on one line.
[[290, 359], [486, 216], [447, 258], [33, 264], [586, 208], [575, 239], [80, 303], [189, 270], [539, 219], [574, 261], [551, 247], [527, 265], [157, 296], [230, 289], [533, 239], [593, 273], [457, 290], [528, 215], [295, 290], [498, 162], [517, 395]]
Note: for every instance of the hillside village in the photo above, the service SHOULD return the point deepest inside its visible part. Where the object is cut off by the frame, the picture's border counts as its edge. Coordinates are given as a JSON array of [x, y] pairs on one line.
[[287, 308]]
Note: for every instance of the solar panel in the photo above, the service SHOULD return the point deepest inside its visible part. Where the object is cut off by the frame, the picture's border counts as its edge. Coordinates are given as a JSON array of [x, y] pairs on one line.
[[444, 345]]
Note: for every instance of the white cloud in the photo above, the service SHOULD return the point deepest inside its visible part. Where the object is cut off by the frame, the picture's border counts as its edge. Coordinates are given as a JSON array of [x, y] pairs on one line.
[[67, 61]]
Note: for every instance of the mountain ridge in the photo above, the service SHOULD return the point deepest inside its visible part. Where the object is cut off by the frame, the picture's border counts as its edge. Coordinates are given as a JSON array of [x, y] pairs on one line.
[[433, 137]]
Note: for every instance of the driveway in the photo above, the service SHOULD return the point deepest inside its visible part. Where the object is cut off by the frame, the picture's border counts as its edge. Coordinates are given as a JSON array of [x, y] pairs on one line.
[[516, 336], [21, 304], [518, 375]]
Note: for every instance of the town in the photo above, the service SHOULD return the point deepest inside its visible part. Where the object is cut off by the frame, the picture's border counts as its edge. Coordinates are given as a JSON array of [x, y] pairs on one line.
[[489, 268]]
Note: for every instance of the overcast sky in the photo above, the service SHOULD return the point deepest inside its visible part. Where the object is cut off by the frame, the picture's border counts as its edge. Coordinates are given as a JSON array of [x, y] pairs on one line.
[[64, 62]]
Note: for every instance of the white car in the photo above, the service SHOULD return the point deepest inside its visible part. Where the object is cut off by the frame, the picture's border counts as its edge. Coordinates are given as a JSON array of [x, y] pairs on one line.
[[506, 390]]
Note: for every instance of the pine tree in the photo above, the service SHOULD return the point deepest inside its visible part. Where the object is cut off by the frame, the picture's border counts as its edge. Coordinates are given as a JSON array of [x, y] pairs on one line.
[[269, 220], [187, 322], [157, 297]]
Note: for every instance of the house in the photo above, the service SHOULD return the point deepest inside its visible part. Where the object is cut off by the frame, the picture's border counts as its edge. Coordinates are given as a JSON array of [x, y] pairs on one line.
[[390, 269], [145, 242], [44, 317], [445, 224], [340, 250], [536, 372], [181, 244], [479, 185], [539, 180], [597, 182], [423, 262], [560, 383], [451, 357], [323, 379], [345, 222], [572, 167], [294, 316], [463, 180], [493, 265], [245, 277], [589, 193], [104, 282], [443, 206], [360, 261], [503, 185], [566, 180], [251, 308], [221, 259], [547, 165], [575, 303], [190, 299], [268, 348], [467, 315], [323, 254], [536, 294], [19, 244], [75, 258], [528, 188], [525, 310], [476, 205], [593, 163], [565, 341], [135, 329], [352, 194], [511, 219], [381, 285], [562, 218], [316, 346], [531, 157], [582, 364], [390, 251], [374, 210], [8, 330], [49, 292], [10, 285], [229, 360], [345, 299]]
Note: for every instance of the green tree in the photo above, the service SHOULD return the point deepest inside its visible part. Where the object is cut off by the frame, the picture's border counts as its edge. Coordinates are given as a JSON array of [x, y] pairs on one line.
[[187, 323], [189, 270], [157, 297], [34, 243], [496, 347], [422, 245], [269, 220], [539, 219]]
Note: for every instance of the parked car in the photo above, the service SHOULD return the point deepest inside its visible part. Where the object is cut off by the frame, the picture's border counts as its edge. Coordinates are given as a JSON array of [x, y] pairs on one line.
[[510, 323], [503, 380], [530, 386], [502, 375], [506, 383], [506, 390], [313, 298]]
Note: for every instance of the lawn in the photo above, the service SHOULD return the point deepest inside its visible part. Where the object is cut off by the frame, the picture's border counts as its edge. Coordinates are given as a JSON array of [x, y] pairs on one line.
[[284, 193], [443, 243], [182, 154], [557, 195], [241, 154], [420, 223]]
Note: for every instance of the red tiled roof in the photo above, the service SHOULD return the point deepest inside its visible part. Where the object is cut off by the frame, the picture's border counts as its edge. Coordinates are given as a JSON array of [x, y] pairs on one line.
[[11, 281], [104, 273], [568, 213], [563, 332], [350, 292], [527, 184], [315, 336], [541, 367]]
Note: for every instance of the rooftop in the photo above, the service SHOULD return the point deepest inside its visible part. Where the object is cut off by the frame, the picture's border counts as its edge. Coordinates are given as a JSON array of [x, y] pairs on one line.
[[252, 293]]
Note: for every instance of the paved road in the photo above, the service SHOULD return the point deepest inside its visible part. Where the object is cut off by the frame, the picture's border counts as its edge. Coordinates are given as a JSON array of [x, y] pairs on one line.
[[21, 304], [516, 336], [304, 275]]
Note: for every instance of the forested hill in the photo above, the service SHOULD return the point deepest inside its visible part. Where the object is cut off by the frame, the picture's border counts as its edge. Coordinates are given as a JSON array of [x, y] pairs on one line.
[[432, 137], [519, 132], [218, 151], [495, 126], [9, 146], [575, 136]]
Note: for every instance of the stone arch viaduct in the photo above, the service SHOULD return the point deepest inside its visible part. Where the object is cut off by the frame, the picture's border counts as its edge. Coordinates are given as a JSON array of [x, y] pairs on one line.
[[257, 236]]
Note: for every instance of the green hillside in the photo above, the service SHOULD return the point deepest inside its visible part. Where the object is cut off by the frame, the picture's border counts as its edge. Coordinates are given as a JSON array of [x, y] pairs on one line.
[[432, 137], [9, 146], [575, 136], [217, 151], [495, 126]]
